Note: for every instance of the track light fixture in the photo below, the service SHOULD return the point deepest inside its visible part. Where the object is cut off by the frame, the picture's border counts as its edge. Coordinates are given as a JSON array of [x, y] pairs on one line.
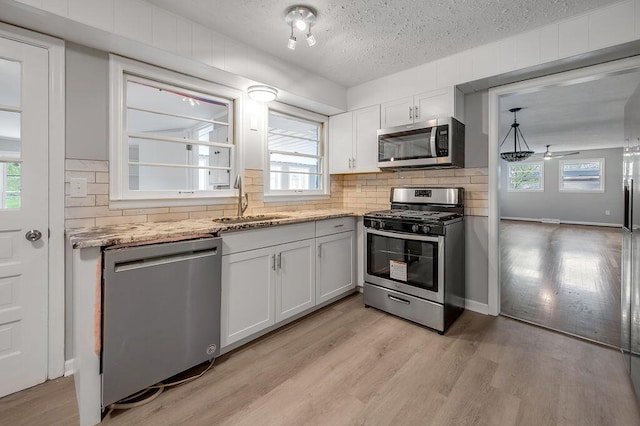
[[302, 17]]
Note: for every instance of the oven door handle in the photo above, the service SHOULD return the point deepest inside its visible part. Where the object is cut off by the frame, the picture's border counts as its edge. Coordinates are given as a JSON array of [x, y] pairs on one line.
[[403, 236]]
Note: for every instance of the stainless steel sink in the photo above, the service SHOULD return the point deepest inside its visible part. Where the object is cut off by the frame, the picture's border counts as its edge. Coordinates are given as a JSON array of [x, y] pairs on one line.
[[251, 218]]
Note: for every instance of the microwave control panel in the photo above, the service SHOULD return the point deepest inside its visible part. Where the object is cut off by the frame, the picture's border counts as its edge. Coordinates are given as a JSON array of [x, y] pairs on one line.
[[442, 141]]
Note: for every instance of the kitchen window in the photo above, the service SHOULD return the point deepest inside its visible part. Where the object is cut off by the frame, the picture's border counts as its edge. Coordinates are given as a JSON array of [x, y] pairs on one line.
[[582, 175], [295, 153], [173, 138], [526, 177]]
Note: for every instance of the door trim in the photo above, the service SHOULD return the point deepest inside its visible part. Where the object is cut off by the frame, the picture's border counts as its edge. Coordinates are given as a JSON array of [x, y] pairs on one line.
[[56, 304], [560, 79]]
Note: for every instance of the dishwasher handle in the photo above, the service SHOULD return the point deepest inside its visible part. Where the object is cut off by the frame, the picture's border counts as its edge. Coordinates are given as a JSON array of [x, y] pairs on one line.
[[164, 259]]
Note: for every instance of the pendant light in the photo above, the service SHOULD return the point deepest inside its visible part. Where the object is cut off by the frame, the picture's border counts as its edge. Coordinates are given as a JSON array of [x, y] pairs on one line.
[[518, 154]]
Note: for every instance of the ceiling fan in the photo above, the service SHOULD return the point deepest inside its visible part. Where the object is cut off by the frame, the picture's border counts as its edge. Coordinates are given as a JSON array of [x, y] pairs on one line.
[[548, 155]]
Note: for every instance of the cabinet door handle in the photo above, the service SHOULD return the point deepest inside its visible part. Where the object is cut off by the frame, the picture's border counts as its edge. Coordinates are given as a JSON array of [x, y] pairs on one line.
[[279, 260], [354, 163], [416, 111], [319, 250], [410, 113], [273, 262], [350, 162]]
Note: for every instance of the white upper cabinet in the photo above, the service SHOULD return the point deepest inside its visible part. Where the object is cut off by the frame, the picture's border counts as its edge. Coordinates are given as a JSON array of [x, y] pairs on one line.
[[353, 141], [447, 102]]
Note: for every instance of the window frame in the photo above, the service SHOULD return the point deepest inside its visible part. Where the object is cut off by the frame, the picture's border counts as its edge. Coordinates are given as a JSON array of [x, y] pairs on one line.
[[296, 195], [583, 191], [529, 163], [122, 70]]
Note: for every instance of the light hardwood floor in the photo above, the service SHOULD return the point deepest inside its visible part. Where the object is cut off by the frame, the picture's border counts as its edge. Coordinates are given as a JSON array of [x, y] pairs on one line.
[[566, 277], [347, 365]]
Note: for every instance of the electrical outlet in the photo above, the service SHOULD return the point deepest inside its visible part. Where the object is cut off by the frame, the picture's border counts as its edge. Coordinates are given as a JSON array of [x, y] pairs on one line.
[[607, 212], [78, 187], [358, 187]]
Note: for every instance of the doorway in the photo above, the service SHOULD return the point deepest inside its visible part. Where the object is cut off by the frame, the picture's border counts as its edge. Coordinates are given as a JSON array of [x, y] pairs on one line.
[[555, 236]]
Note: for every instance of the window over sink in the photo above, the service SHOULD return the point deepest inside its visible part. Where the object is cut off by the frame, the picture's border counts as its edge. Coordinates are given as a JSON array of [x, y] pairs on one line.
[[173, 136], [295, 153]]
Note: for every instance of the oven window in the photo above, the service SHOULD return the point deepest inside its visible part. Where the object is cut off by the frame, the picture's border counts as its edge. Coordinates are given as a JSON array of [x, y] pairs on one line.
[[408, 145], [405, 261]]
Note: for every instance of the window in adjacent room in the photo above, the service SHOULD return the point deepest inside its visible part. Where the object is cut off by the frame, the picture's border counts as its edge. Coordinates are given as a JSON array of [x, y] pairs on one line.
[[295, 154], [526, 176], [174, 136], [582, 175]]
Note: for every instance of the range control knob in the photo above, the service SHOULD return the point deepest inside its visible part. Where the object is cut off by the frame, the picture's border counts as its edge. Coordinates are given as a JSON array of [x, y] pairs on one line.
[[426, 229], [380, 224], [415, 228]]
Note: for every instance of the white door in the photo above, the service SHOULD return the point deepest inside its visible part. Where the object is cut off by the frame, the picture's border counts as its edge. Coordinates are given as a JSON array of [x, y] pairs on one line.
[[23, 206], [335, 272], [248, 286], [340, 143], [296, 278], [366, 122], [397, 113]]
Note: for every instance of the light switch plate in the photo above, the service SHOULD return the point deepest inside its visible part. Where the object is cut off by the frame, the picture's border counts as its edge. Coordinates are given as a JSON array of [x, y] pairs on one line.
[[78, 187]]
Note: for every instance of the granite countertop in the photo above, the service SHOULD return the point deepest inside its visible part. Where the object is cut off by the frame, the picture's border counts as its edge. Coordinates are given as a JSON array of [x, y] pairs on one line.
[[133, 233]]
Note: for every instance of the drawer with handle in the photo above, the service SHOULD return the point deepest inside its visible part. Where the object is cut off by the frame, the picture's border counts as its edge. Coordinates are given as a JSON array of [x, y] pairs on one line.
[[334, 226]]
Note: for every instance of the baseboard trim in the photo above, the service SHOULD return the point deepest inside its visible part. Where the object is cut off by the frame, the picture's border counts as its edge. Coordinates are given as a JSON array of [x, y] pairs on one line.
[[568, 222], [472, 305], [69, 367]]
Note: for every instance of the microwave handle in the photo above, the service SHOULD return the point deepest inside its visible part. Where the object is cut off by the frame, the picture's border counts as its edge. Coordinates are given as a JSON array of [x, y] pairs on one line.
[[432, 140]]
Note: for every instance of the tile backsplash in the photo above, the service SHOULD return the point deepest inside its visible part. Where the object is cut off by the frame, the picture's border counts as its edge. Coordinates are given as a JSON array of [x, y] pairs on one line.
[[368, 191]]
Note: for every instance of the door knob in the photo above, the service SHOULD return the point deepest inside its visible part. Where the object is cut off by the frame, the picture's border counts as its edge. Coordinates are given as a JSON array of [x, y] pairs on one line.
[[33, 235]]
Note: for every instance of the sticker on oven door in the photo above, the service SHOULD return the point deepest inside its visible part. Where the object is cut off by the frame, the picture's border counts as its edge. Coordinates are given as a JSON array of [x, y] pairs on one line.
[[398, 270]]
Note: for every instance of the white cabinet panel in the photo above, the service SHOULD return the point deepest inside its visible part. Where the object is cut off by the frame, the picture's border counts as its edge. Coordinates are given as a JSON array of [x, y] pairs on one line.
[[201, 44], [184, 38], [96, 13], [335, 268], [612, 25], [366, 122], [59, 7], [549, 43], [165, 30], [248, 287], [396, 113], [340, 143], [573, 36], [434, 104], [527, 49], [133, 20], [295, 282], [353, 141]]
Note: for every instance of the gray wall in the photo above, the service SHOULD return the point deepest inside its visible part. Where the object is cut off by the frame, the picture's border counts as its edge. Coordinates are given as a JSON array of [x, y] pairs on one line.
[[568, 206], [476, 138], [87, 103], [476, 258]]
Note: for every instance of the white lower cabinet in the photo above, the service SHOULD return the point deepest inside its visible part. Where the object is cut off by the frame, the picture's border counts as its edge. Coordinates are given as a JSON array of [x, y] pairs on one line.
[[263, 286], [295, 278], [248, 287], [335, 265]]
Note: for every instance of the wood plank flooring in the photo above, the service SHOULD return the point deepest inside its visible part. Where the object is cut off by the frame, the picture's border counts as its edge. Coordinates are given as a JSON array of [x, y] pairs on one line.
[[566, 277], [347, 365]]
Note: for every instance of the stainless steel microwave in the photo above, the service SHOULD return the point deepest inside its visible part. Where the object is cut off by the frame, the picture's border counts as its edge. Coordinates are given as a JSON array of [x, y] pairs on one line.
[[434, 143]]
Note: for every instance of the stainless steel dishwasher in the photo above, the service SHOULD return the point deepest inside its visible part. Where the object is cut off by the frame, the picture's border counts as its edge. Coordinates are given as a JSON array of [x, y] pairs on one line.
[[160, 313]]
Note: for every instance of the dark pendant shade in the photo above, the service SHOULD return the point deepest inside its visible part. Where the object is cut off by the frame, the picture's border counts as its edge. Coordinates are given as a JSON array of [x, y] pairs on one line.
[[518, 154]]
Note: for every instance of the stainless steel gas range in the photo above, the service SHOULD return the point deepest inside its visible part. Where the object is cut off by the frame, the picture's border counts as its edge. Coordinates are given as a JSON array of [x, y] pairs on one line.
[[414, 266]]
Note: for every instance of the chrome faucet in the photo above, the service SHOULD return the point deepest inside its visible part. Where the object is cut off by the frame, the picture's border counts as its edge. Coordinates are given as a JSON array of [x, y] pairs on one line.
[[243, 198]]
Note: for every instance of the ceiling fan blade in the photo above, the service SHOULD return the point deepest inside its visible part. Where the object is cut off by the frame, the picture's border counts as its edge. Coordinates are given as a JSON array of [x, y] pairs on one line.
[[565, 154]]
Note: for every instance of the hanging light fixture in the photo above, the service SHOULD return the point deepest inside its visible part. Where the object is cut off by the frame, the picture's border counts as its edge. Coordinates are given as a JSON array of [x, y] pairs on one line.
[[301, 17], [518, 154], [261, 93]]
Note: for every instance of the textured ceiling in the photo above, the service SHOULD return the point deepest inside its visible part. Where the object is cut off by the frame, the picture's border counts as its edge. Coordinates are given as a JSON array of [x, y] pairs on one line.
[[580, 116], [360, 40]]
